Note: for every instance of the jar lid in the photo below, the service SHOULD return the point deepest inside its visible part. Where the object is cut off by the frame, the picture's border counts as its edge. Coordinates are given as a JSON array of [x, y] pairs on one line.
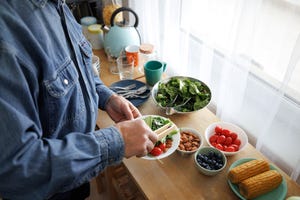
[[88, 20], [146, 48], [95, 28]]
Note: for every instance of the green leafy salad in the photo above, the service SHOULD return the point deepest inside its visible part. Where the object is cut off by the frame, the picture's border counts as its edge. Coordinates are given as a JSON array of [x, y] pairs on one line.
[[196, 93], [155, 122]]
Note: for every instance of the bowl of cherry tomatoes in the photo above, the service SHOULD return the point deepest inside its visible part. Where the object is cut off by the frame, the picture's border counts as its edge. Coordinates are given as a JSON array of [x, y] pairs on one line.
[[226, 137]]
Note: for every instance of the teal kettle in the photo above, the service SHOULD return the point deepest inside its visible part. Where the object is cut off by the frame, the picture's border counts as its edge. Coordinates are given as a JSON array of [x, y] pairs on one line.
[[120, 35]]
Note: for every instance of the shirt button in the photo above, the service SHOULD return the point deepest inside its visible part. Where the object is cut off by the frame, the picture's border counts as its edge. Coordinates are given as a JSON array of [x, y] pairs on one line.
[[66, 82]]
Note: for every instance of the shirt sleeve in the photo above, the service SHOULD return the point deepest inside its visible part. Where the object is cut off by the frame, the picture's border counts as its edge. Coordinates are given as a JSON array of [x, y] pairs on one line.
[[34, 165], [103, 92]]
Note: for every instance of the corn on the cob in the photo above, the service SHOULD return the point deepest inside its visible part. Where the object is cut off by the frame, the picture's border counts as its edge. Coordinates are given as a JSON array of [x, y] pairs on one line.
[[247, 169], [260, 184]]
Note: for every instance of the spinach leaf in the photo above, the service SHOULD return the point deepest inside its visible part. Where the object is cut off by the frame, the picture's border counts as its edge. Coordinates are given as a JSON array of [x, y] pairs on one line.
[[155, 122]]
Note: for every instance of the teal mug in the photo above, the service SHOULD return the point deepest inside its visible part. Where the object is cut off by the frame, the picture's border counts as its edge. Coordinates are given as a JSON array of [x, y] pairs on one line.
[[153, 71]]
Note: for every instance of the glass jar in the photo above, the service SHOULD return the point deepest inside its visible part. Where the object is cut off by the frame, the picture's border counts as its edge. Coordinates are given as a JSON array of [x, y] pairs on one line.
[[146, 53], [96, 36], [85, 23], [109, 6]]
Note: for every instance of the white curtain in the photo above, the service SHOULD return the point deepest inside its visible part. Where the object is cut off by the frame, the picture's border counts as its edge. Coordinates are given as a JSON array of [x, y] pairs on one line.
[[248, 52]]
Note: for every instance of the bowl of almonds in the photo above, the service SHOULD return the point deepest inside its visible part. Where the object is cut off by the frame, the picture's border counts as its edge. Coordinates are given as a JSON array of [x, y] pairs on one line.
[[190, 141]]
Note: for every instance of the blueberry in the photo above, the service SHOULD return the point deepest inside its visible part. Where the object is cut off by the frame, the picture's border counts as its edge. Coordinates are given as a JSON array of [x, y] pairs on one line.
[[218, 156], [210, 154], [204, 164], [215, 167], [200, 157]]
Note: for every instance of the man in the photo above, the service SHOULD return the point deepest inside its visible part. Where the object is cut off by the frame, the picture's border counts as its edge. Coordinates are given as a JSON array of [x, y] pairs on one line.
[[49, 98]]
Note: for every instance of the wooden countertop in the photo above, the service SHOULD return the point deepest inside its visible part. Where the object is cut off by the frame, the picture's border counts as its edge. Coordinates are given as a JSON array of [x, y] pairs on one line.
[[176, 177]]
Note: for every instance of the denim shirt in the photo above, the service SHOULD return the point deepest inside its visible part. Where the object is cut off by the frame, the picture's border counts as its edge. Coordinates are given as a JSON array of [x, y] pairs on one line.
[[49, 100]]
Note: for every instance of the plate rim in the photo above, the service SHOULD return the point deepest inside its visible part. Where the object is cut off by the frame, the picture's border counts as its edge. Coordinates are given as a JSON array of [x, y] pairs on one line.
[[232, 186], [176, 137]]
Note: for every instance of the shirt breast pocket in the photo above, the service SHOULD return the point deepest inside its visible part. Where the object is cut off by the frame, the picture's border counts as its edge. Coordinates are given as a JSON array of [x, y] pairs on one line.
[[64, 99], [65, 79]]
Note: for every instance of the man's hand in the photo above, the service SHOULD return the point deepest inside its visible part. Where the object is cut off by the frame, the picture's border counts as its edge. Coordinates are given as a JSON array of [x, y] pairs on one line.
[[120, 109], [138, 137]]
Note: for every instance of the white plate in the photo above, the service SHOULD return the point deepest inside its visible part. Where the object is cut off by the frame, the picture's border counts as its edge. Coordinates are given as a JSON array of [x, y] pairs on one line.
[[175, 143]]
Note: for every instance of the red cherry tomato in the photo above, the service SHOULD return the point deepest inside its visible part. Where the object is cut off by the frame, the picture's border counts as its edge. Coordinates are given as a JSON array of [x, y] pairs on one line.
[[162, 146], [226, 132], [156, 151], [221, 139], [230, 149], [237, 142], [213, 138], [228, 141], [233, 135], [214, 144], [220, 147], [218, 130], [236, 147]]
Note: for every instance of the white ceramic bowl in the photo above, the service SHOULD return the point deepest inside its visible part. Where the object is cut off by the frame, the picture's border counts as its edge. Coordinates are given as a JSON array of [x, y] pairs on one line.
[[196, 134], [242, 136], [207, 151]]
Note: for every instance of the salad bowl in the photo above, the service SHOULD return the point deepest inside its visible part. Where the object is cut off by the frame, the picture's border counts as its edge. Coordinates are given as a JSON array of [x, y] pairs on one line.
[[181, 94]]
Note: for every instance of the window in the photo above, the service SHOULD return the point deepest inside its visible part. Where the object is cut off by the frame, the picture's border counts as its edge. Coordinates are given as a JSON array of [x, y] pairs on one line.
[[273, 30]]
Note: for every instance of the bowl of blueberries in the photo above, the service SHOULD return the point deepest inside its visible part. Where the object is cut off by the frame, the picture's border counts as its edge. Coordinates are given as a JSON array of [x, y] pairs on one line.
[[210, 161]]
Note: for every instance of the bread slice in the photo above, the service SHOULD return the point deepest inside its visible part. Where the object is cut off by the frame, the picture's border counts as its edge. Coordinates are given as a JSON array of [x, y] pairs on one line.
[[165, 130]]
